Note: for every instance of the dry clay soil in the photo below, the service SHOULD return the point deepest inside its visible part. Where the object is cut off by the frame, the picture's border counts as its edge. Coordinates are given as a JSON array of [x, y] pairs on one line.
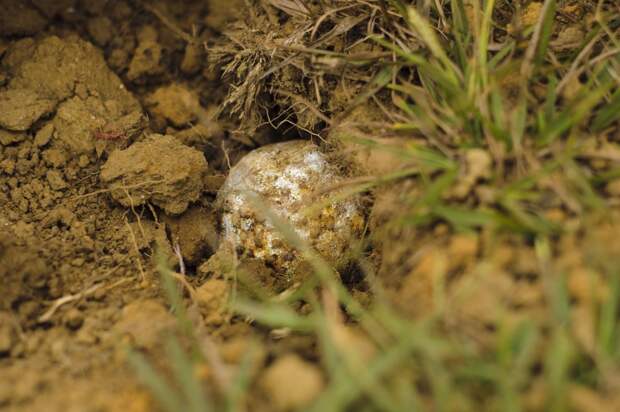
[[112, 154], [79, 225]]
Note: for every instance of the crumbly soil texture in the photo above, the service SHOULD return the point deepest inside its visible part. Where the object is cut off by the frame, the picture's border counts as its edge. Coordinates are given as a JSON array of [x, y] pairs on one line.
[[114, 143], [110, 155], [118, 128]]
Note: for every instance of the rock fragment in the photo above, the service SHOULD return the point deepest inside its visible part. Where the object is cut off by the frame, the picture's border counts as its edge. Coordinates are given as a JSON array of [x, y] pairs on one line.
[[286, 178]]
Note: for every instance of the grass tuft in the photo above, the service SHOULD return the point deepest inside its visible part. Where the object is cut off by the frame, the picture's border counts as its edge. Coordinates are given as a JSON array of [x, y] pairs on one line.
[[512, 141]]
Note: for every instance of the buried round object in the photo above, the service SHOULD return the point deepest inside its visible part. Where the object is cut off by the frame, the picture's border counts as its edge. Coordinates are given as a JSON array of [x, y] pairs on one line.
[[286, 177]]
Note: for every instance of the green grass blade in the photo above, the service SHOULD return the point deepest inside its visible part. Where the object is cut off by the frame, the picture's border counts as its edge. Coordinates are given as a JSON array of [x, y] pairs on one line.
[[608, 114], [608, 323], [157, 385], [574, 114], [240, 385], [426, 32], [546, 31], [183, 370], [274, 315]]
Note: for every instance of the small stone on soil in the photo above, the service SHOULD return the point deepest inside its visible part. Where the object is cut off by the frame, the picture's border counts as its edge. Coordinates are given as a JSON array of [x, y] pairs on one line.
[[74, 319], [291, 383], [44, 135], [285, 176]]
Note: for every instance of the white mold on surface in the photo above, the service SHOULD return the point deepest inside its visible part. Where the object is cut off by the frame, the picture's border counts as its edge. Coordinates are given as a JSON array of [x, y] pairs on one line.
[[287, 177]]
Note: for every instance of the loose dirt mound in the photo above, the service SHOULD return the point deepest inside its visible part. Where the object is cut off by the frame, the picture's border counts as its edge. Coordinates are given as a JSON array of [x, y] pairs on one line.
[[71, 258], [66, 77]]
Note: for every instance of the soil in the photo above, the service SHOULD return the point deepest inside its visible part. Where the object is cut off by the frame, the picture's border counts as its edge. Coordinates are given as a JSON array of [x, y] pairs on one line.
[[84, 89], [112, 152]]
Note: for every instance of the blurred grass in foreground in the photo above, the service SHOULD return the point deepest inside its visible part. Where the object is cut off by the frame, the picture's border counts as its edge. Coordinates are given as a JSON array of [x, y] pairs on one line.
[[456, 88]]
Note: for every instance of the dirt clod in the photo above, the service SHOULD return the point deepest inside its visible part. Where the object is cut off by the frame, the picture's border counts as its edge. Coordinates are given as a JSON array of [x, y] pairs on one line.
[[44, 135], [24, 274], [144, 322], [55, 179], [192, 58], [196, 233], [101, 29], [147, 55], [222, 12], [212, 297], [8, 137], [8, 335], [303, 382], [175, 103], [20, 108], [74, 319], [159, 170], [68, 76], [19, 18]]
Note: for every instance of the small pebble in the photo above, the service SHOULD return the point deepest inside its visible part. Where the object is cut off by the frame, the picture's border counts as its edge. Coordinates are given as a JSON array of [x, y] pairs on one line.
[[78, 262], [74, 319], [44, 135], [292, 383]]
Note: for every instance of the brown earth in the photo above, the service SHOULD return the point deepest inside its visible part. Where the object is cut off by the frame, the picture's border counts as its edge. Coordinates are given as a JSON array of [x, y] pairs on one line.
[[112, 152], [79, 80]]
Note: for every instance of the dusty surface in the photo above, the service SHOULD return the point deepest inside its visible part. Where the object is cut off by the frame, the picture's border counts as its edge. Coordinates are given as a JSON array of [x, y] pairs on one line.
[[90, 192], [117, 132], [77, 285], [158, 170], [69, 78]]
